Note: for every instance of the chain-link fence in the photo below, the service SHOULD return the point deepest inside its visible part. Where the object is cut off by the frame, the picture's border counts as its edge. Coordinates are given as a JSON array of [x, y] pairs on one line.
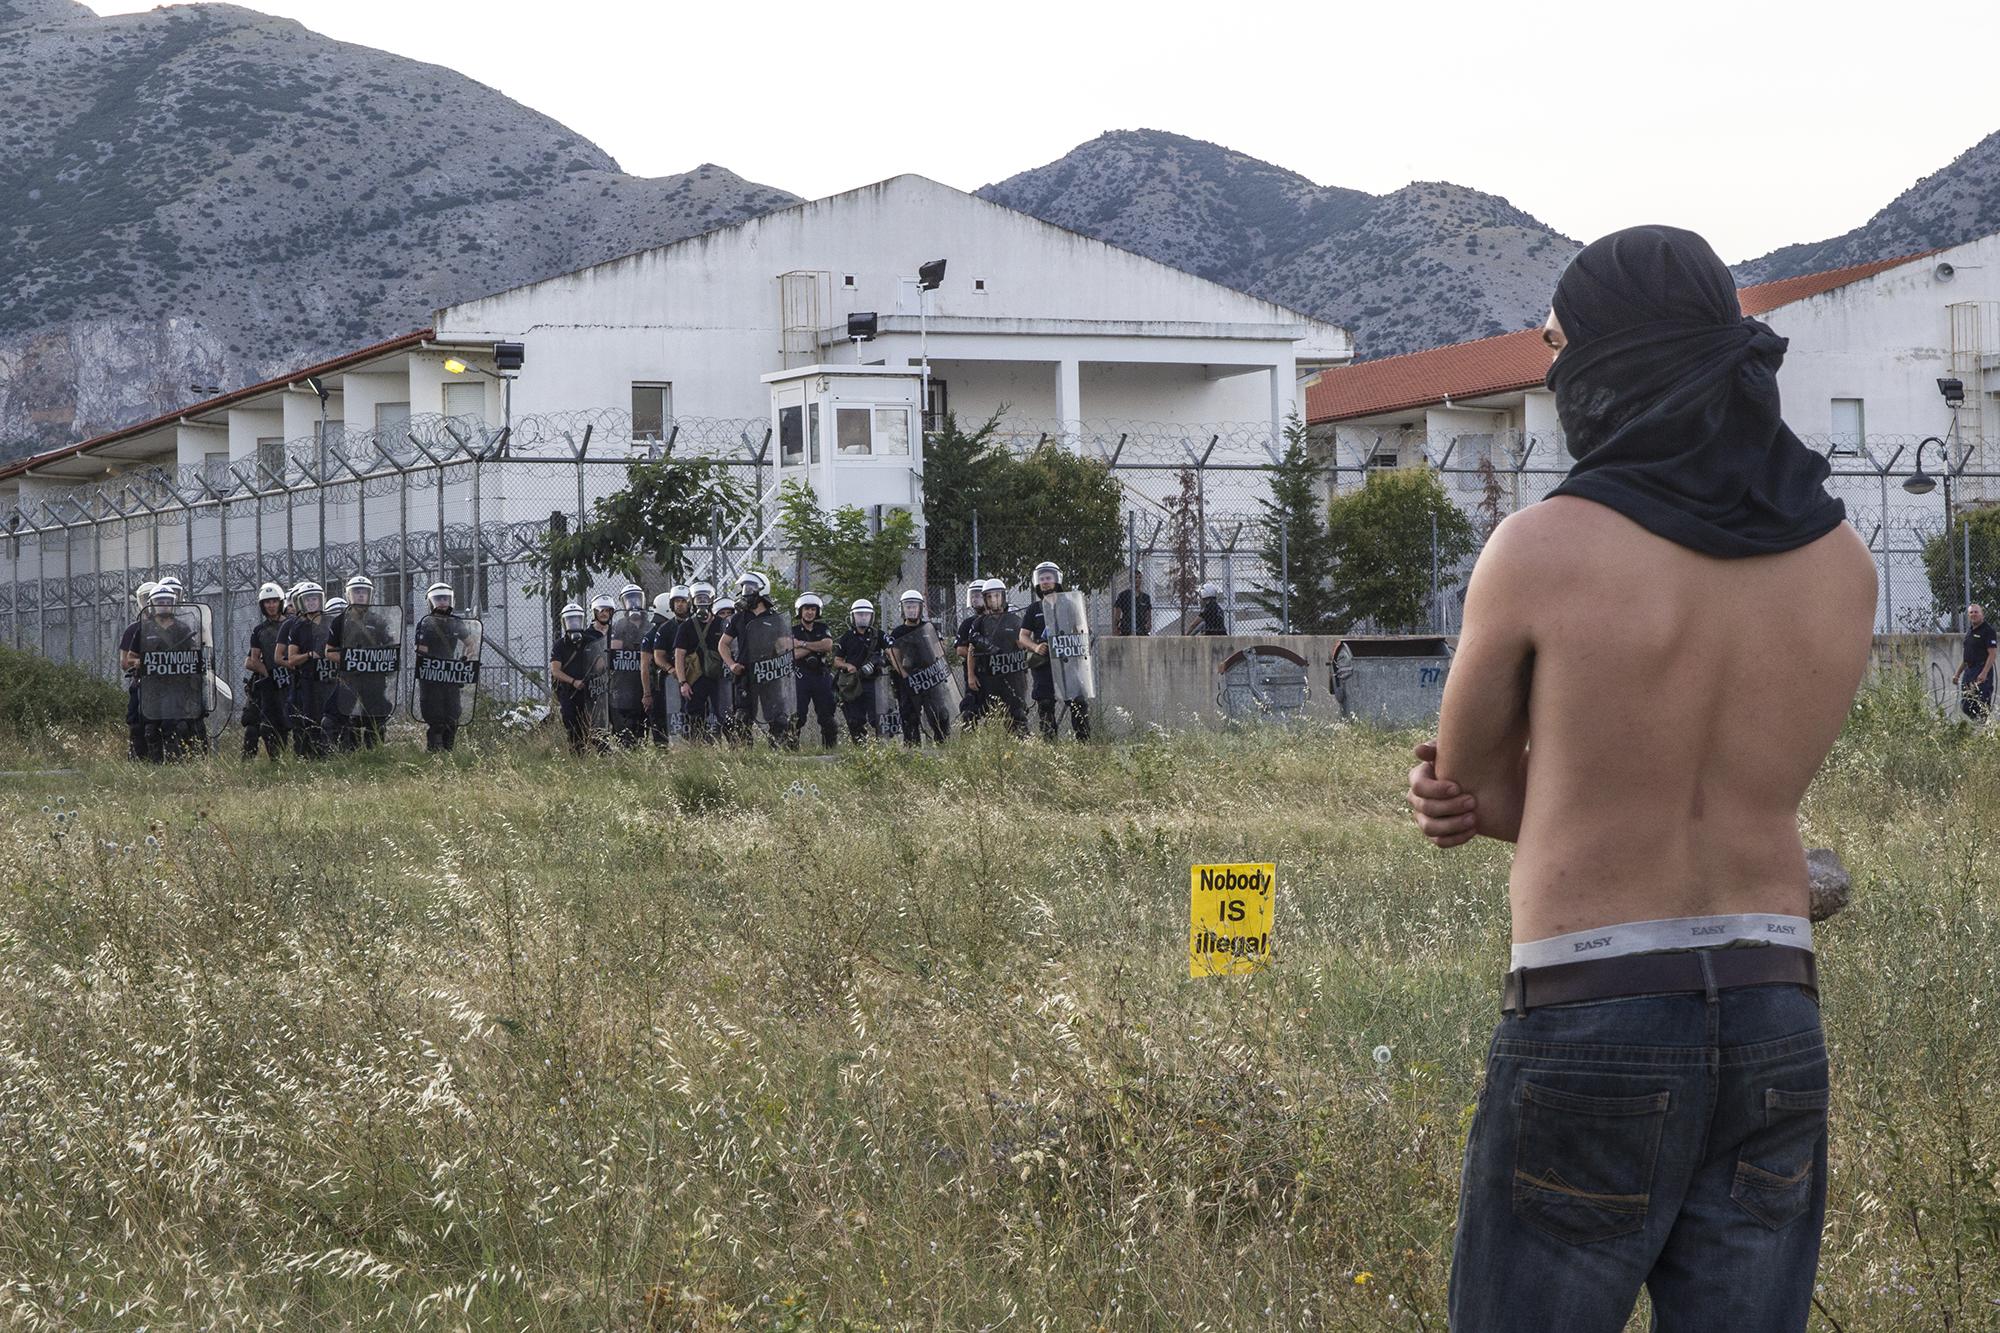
[[455, 500]]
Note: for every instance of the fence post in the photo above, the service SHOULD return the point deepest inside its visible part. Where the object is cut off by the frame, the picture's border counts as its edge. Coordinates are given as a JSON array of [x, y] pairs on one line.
[[975, 545], [69, 594], [1285, 572], [1435, 625], [1965, 534], [1132, 569]]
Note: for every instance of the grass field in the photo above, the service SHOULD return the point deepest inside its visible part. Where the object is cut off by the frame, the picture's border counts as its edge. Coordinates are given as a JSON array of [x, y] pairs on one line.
[[737, 1041]]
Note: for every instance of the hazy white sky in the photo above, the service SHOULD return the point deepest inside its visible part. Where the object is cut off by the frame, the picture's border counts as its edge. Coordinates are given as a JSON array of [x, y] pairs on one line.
[[1757, 123]]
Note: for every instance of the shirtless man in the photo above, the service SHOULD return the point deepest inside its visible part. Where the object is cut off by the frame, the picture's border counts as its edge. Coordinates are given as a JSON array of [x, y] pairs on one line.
[[1654, 1107]]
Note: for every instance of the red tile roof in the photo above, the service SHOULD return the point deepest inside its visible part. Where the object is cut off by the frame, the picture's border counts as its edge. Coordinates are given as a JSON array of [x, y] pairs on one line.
[[341, 362], [1512, 362]]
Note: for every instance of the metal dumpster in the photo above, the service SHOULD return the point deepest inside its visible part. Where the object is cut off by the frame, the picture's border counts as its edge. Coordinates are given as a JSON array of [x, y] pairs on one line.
[[1391, 680]]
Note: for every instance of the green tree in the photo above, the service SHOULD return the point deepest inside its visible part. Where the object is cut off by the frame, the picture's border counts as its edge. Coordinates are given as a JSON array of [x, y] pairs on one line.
[[1380, 538], [1945, 565], [1298, 548], [665, 506], [965, 473], [845, 558], [1054, 505]]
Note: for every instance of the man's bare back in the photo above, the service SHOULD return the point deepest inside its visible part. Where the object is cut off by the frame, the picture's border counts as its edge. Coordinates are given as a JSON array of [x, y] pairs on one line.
[[1678, 706]]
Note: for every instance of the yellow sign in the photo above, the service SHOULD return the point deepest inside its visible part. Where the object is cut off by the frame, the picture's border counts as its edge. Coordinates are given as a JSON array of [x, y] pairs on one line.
[[1229, 918]]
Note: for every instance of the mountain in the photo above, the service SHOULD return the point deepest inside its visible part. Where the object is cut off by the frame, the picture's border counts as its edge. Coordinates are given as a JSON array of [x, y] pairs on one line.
[[206, 194], [1427, 264], [1949, 206]]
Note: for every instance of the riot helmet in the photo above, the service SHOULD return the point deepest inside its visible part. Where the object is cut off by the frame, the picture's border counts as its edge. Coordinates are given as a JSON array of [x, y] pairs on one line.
[[360, 590], [436, 591], [632, 597], [913, 605], [975, 594], [163, 599], [603, 602], [574, 618], [679, 593], [807, 599], [1209, 592], [702, 594], [724, 605], [142, 596], [271, 592], [663, 606], [335, 605], [311, 598], [861, 613], [994, 593], [1054, 576]]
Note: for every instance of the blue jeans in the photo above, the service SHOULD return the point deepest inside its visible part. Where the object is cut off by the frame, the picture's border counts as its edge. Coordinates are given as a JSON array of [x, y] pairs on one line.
[[1672, 1141]]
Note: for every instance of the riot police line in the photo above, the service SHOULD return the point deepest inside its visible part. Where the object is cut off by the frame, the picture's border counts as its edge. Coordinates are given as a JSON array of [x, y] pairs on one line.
[[707, 668], [326, 674], [320, 675]]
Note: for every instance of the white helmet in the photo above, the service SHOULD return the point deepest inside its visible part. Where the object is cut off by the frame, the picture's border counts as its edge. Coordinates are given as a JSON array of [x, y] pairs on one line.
[[753, 581], [437, 590], [309, 589], [680, 592], [911, 595], [574, 617], [663, 605], [806, 599], [1052, 567], [861, 607], [994, 585], [860, 604], [632, 597], [363, 585], [701, 590], [335, 605], [724, 604], [1210, 590], [975, 591], [143, 594], [169, 577], [163, 594], [270, 592], [603, 602]]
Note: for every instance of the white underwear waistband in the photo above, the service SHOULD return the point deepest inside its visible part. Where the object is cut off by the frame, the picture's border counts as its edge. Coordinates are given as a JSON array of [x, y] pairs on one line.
[[1681, 932]]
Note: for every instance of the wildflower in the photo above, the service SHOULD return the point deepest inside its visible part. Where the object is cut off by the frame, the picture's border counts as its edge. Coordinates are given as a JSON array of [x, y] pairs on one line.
[[1383, 1055], [1363, 1278]]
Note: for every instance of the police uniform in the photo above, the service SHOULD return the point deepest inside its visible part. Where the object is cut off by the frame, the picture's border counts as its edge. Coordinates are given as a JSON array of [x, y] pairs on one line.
[[264, 717], [172, 736], [1210, 620], [627, 724], [812, 684], [664, 701], [574, 654], [998, 689], [780, 722], [1035, 621], [976, 697], [135, 721], [700, 638], [359, 713], [862, 649], [308, 694], [1976, 700], [911, 709], [439, 704]]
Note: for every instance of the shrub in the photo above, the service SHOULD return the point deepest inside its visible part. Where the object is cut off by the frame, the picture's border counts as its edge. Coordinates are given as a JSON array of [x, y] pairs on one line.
[[36, 693]]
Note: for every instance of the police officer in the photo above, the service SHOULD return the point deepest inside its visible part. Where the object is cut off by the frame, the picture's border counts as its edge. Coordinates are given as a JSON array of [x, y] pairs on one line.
[[1035, 638], [163, 632], [571, 667], [1000, 691], [1974, 676], [1210, 621], [340, 714], [656, 663], [812, 644], [302, 652], [914, 712], [362, 717], [696, 665], [720, 692], [857, 665], [264, 719], [753, 607], [972, 654], [438, 635], [128, 662]]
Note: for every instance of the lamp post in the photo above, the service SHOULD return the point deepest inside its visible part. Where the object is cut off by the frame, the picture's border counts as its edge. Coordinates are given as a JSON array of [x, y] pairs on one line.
[[930, 277], [318, 386], [506, 356]]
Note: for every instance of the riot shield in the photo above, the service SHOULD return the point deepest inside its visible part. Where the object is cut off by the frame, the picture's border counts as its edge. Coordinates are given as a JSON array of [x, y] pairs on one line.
[[764, 644], [445, 679], [597, 676], [369, 640], [928, 669], [176, 666], [1006, 660], [624, 686], [1067, 626]]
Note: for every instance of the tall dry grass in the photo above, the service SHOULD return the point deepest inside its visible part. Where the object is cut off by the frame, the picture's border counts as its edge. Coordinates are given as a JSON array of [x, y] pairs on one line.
[[901, 1042]]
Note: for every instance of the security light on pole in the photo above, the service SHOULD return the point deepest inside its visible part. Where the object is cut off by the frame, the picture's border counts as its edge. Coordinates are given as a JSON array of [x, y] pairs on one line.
[[929, 277]]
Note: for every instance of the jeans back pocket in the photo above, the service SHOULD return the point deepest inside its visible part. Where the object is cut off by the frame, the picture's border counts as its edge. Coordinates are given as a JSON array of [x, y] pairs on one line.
[[1776, 1166], [1583, 1162]]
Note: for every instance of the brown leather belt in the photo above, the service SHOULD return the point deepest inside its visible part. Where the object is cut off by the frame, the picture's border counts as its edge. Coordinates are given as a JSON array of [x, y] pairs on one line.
[[1658, 974]]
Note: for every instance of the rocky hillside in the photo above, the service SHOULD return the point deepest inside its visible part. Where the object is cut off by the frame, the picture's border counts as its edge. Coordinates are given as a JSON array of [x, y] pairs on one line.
[[205, 194], [1956, 204], [1427, 264]]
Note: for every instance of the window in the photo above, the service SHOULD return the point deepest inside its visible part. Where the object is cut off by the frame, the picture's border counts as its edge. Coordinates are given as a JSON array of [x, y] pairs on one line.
[[892, 430], [392, 420], [847, 280], [652, 409], [1849, 427], [466, 400], [812, 431], [1385, 456], [388, 589], [934, 410], [791, 436], [270, 457], [215, 469], [979, 285], [851, 432]]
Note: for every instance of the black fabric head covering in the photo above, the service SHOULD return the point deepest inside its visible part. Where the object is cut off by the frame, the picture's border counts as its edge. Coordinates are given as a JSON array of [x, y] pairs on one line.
[[1668, 396]]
